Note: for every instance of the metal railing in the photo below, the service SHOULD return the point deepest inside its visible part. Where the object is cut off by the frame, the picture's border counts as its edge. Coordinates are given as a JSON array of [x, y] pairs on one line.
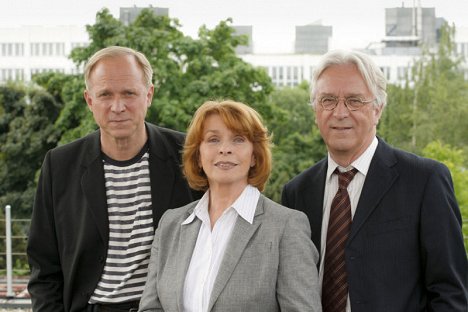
[[9, 253]]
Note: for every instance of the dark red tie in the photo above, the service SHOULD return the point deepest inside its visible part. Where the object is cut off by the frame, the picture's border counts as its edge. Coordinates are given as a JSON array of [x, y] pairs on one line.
[[335, 283]]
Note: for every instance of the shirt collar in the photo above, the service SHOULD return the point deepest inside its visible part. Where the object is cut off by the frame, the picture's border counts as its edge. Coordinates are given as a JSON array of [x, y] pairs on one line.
[[362, 163], [245, 206]]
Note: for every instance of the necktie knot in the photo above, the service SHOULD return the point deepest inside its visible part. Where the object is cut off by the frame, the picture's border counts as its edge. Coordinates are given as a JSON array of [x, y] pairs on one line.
[[344, 178]]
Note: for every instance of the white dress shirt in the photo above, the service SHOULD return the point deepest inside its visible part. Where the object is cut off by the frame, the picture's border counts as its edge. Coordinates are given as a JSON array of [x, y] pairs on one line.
[[211, 245], [354, 190]]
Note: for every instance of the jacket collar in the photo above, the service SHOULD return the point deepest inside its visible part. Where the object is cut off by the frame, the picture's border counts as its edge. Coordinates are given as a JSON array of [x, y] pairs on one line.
[[242, 233]]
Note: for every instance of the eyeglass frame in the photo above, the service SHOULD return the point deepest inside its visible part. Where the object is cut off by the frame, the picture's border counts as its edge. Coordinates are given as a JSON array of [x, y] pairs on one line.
[[345, 101]]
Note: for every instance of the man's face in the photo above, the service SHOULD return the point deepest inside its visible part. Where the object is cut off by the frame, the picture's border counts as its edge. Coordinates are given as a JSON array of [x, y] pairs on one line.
[[118, 98], [346, 133]]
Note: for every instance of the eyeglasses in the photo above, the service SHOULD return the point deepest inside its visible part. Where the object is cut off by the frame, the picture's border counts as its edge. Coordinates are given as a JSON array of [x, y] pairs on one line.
[[353, 103]]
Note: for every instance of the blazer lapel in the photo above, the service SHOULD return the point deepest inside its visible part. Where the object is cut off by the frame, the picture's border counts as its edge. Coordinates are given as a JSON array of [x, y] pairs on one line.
[[314, 199], [187, 240], [380, 178], [162, 173], [241, 235], [93, 186]]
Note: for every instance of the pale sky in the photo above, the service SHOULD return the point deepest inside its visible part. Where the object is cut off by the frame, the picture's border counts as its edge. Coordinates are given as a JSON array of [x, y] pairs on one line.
[[355, 23]]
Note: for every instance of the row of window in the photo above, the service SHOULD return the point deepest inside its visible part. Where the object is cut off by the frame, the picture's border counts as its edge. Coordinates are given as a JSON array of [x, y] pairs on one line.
[[15, 49], [289, 75], [294, 75], [12, 49], [17, 74]]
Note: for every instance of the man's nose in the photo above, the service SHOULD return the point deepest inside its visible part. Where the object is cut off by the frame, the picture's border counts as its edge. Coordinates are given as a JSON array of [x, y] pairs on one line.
[[341, 110], [118, 105]]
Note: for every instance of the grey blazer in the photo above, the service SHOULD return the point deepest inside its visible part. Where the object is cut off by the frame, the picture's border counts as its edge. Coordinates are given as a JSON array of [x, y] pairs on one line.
[[269, 265]]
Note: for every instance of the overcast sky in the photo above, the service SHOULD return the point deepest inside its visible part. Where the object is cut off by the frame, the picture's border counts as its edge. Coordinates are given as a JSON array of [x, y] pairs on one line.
[[355, 23]]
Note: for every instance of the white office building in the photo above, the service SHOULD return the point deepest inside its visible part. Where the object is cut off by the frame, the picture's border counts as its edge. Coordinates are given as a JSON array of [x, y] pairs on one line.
[[27, 50]]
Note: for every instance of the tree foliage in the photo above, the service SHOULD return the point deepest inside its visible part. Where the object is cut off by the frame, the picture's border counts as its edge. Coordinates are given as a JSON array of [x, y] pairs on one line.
[[297, 142], [454, 159], [432, 104], [187, 71], [428, 114], [28, 137]]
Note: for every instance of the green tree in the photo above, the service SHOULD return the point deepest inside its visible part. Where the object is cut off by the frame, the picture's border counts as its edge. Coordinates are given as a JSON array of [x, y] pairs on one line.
[[12, 105], [23, 147], [432, 104], [297, 142], [454, 159], [187, 71]]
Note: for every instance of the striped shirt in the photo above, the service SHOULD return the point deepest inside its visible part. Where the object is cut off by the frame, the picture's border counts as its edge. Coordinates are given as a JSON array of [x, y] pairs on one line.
[[131, 229]]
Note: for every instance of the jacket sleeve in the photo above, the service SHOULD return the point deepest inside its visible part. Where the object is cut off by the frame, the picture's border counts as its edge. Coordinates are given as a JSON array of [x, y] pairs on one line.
[[46, 281], [297, 284], [443, 254], [150, 300]]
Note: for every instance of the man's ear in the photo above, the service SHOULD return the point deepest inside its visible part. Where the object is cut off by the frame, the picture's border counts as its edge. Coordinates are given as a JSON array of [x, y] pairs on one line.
[[377, 114], [149, 95], [89, 99]]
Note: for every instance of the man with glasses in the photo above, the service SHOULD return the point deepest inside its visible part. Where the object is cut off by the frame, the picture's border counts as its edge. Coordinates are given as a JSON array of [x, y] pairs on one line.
[[386, 222]]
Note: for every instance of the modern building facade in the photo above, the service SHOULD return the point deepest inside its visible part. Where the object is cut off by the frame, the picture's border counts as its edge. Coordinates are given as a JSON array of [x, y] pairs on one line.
[[129, 14], [27, 50], [312, 39], [247, 32]]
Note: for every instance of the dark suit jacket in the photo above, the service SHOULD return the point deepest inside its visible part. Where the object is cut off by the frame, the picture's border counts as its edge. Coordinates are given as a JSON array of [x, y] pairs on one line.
[[69, 233], [405, 251]]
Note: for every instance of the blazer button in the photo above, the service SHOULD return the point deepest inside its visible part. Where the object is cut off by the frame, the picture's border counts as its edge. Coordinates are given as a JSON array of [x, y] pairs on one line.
[[102, 259]]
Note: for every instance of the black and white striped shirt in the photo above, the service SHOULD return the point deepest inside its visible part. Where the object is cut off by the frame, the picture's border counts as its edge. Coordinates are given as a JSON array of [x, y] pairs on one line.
[[131, 229]]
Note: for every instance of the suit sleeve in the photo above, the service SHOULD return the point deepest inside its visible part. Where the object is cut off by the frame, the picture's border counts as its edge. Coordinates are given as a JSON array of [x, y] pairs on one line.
[[46, 282], [285, 200], [444, 257], [150, 300], [297, 285]]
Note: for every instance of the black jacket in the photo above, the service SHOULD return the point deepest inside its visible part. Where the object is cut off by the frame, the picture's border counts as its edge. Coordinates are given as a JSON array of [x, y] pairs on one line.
[[69, 232]]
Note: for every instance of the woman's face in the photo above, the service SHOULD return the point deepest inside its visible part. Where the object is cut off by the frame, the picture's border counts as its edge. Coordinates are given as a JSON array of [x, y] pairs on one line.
[[226, 157]]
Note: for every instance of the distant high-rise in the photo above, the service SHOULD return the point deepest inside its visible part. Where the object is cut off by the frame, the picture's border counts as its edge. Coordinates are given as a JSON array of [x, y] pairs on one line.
[[410, 27], [246, 31], [312, 39], [128, 15]]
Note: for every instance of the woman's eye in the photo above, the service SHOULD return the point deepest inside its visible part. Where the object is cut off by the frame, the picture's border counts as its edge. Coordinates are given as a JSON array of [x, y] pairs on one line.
[[239, 139]]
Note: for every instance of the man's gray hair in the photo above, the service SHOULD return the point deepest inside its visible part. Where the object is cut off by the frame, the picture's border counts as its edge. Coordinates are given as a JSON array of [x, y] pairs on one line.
[[372, 74]]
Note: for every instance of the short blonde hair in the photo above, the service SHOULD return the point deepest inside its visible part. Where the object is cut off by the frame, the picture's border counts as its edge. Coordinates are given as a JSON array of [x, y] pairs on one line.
[[114, 51], [239, 118]]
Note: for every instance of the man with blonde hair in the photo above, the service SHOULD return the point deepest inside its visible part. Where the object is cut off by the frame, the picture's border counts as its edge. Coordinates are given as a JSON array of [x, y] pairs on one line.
[[100, 197]]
